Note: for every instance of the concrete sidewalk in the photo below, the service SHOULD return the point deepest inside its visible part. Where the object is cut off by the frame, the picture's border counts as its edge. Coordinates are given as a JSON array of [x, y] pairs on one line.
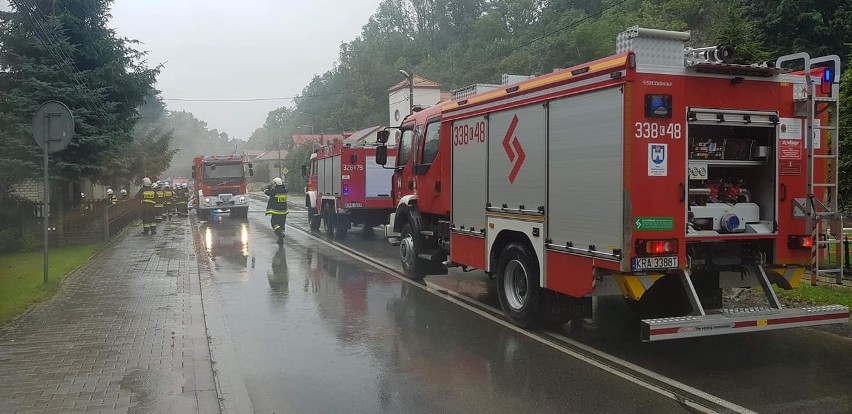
[[125, 334]]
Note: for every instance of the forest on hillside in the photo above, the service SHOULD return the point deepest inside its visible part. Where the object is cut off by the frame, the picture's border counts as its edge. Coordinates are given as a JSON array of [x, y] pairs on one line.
[[461, 42]]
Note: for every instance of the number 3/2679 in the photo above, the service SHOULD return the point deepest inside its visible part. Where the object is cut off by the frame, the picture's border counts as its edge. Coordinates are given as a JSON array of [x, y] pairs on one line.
[[653, 130]]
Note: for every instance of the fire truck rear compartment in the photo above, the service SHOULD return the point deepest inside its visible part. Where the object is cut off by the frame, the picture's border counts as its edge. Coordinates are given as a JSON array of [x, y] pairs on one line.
[[732, 175], [731, 209]]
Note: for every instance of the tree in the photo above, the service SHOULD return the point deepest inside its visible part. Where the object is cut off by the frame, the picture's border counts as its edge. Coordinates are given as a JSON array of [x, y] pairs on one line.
[[818, 27], [63, 50], [296, 157], [846, 138]]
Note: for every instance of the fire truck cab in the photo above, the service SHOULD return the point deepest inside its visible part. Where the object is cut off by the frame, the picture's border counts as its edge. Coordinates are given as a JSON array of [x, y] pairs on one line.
[[220, 181], [662, 174]]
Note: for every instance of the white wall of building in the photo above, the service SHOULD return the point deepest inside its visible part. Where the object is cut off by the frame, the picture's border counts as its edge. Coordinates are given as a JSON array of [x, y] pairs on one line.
[[398, 101]]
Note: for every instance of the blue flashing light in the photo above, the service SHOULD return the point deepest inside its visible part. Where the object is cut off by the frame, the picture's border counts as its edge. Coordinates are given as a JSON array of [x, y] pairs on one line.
[[828, 75], [346, 189]]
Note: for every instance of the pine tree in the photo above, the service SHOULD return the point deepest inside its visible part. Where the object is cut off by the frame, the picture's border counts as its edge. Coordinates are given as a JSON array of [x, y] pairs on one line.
[[63, 50]]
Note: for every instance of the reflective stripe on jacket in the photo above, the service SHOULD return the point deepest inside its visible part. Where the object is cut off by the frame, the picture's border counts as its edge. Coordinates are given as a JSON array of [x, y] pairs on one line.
[[149, 196], [277, 203]]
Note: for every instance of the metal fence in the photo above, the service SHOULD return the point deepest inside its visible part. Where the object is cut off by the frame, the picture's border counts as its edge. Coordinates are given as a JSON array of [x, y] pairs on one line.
[[83, 222]]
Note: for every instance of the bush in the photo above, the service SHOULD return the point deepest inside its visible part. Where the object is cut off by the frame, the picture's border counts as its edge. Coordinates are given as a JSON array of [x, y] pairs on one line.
[[29, 241], [9, 240]]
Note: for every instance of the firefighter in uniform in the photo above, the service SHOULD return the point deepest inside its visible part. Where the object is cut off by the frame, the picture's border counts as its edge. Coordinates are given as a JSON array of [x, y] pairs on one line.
[[158, 206], [277, 206], [182, 198], [111, 196], [148, 197], [168, 199], [123, 194]]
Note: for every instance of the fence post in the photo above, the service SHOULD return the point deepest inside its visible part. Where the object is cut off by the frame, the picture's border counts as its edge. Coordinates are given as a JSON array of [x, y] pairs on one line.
[[846, 251], [106, 205]]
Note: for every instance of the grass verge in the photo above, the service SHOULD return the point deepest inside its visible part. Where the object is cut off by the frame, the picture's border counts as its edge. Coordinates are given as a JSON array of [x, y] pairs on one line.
[[822, 294], [21, 276]]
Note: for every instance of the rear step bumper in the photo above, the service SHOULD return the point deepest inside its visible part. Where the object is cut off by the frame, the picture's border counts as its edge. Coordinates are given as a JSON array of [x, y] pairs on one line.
[[739, 320]]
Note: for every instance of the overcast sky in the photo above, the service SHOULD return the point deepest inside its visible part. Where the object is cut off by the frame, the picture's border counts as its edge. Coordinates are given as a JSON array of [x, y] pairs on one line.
[[237, 49]]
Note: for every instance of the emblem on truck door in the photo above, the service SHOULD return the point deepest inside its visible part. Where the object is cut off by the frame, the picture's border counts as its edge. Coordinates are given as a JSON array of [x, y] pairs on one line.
[[514, 150]]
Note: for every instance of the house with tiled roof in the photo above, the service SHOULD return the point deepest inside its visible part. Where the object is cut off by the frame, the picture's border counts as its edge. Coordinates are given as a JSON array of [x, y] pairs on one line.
[[319, 139], [426, 92]]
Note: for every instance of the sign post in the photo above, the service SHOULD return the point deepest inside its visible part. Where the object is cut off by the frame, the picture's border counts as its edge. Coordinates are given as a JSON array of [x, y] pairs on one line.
[[53, 128]]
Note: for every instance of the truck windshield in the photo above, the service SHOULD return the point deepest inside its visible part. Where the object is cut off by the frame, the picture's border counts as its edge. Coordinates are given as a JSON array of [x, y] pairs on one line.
[[219, 171]]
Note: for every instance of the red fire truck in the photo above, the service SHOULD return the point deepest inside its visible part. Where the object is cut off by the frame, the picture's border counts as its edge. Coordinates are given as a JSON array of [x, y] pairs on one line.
[[662, 174], [346, 186], [220, 182]]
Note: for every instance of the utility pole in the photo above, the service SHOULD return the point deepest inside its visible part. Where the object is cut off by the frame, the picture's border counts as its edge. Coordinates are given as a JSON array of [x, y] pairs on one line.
[[279, 155], [410, 77]]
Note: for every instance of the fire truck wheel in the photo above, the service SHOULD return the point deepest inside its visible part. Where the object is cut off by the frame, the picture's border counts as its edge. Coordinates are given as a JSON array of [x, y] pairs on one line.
[[413, 266], [327, 213], [518, 285], [340, 227], [314, 219]]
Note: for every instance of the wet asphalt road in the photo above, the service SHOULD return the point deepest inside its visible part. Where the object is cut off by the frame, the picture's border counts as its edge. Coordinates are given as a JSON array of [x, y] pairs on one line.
[[317, 331]]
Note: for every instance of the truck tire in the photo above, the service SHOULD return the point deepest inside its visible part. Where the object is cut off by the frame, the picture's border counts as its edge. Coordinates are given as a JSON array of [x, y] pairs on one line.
[[328, 224], [413, 266], [314, 219], [341, 226], [518, 285]]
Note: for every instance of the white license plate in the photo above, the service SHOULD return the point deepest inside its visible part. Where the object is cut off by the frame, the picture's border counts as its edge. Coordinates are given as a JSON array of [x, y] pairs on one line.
[[646, 263]]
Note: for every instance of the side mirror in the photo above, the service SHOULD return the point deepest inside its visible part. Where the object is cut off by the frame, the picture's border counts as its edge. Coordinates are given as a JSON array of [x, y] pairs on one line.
[[251, 171], [382, 154], [193, 174], [382, 137], [305, 171]]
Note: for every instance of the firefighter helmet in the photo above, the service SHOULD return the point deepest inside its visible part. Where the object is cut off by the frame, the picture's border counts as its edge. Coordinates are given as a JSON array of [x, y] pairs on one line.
[[155, 185], [109, 191], [123, 192], [277, 181], [167, 185], [146, 182]]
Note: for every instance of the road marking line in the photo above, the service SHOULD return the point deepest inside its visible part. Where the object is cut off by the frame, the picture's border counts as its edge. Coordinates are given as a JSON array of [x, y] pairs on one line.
[[627, 366]]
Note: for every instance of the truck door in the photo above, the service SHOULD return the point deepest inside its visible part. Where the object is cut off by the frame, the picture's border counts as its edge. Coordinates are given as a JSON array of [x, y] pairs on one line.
[[403, 178], [312, 180], [426, 151]]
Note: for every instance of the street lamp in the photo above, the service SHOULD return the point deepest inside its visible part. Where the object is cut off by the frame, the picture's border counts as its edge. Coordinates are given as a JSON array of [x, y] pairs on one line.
[[410, 78], [315, 117], [279, 155]]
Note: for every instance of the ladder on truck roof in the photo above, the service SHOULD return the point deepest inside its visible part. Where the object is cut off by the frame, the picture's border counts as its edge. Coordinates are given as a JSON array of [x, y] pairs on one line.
[[824, 217]]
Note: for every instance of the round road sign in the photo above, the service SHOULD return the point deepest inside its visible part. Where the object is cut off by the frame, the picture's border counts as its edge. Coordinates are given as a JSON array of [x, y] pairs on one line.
[[53, 125]]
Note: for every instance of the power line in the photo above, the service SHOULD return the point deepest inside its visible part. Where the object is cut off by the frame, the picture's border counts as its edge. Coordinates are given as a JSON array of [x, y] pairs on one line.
[[283, 98], [50, 43]]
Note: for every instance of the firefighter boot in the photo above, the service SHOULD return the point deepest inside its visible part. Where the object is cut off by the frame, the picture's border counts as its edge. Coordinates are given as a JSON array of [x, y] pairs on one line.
[[280, 233], [145, 230], [153, 229]]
